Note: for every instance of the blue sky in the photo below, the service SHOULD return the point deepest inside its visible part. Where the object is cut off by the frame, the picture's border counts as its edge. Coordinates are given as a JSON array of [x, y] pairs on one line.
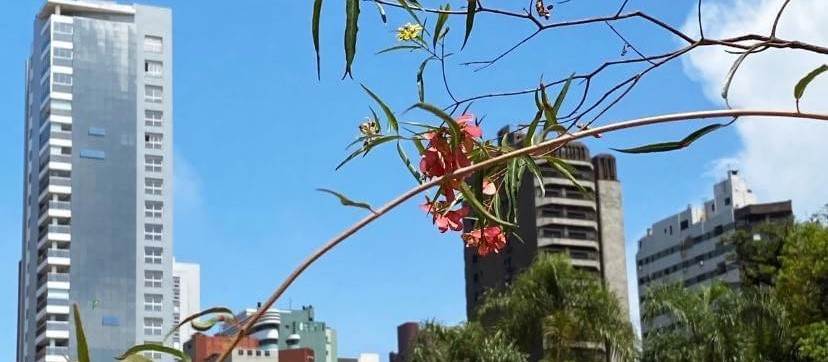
[[256, 133]]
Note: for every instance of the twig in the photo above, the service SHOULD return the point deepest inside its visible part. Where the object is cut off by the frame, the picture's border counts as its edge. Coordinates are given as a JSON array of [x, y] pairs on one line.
[[531, 150], [627, 43], [699, 17], [778, 16]]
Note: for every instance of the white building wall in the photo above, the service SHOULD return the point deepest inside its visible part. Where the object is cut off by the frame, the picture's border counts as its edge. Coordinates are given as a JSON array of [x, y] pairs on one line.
[[186, 298]]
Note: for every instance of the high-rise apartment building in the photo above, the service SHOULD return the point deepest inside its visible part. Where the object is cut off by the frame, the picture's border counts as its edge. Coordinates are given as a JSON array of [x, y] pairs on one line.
[[186, 299], [555, 216], [97, 199], [290, 329], [689, 248]]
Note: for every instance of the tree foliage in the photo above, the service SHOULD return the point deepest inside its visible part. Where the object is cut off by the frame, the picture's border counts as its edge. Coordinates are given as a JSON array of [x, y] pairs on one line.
[[468, 342]]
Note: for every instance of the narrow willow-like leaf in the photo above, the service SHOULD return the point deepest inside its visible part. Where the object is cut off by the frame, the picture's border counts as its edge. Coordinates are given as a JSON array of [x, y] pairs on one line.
[[438, 26], [418, 143], [454, 128], [351, 29], [556, 107], [799, 89], [389, 115], [530, 132], [410, 11], [376, 119], [381, 11], [370, 144], [547, 108], [398, 47], [346, 201], [153, 347], [408, 164], [674, 145], [420, 81], [566, 170], [80, 336], [471, 11], [222, 311], [479, 209], [535, 170], [732, 72], [317, 12]]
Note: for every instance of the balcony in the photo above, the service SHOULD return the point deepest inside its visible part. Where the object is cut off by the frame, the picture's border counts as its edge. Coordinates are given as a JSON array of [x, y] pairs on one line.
[[561, 241], [58, 257], [47, 352], [59, 233], [567, 221], [60, 205]]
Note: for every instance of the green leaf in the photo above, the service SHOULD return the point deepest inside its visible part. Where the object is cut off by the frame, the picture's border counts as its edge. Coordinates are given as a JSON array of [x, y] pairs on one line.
[[479, 209], [547, 108], [799, 89], [674, 145], [470, 13], [348, 202], [381, 11], [410, 10], [136, 358], [408, 164], [80, 336], [392, 120], [351, 29], [566, 170], [420, 82], [552, 123], [535, 170], [438, 26], [317, 11], [370, 144], [222, 312], [154, 347], [454, 128], [530, 132], [398, 47]]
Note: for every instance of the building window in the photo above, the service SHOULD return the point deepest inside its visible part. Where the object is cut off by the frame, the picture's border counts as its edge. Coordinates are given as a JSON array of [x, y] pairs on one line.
[[62, 79], [152, 326], [153, 140], [685, 224], [152, 302], [152, 163], [153, 94], [153, 208], [727, 201], [152, 186], [97, 131], [153, 118], [152, 278], [64, 28], [152, 255], [153, 44], [94, 154], [110, 321], [63, 53], [154, 68], [153, 232]]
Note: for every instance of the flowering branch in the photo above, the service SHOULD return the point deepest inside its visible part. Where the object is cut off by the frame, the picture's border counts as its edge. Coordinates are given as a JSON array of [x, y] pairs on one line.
[[533, 150]]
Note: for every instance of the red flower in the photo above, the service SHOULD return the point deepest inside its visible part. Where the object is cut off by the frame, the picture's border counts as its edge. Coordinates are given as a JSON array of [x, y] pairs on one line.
[[445, 220], [466, 123], [488, 239]]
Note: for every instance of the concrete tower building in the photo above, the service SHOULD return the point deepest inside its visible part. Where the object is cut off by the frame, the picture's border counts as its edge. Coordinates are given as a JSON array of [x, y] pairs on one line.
[[589, 229], [186, 299], [97, 220]]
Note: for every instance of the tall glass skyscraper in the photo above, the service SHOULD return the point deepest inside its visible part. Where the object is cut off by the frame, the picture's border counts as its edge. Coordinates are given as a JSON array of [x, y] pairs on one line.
[[97, 220]]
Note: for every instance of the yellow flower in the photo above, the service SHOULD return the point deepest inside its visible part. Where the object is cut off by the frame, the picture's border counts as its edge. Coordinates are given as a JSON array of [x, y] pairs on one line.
[[409, 31]]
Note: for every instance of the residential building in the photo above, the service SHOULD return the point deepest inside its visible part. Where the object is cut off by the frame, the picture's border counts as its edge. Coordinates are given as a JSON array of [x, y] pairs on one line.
[[290, 329], [689, 248], [406, 334], [203, 348], [296, 355], [97, 196], [248, 355], [186, 298], [555, 216]]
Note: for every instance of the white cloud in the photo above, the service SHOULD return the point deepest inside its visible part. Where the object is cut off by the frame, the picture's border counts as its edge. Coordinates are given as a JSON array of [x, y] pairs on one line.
[[187, 183], [781, 159]]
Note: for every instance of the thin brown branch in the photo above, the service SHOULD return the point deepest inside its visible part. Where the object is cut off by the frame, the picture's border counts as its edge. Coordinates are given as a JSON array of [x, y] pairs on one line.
[[778, 16], [699, 18], [539, 148], [627, 43]]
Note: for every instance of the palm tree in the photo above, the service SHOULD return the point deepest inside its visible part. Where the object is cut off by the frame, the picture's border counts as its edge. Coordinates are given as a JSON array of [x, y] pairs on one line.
[[464, 343], [713, 324], [569, 312]]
